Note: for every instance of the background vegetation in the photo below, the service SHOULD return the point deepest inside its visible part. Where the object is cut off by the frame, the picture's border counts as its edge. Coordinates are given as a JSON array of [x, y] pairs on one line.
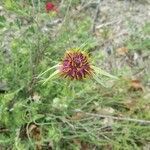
[[73, 115]]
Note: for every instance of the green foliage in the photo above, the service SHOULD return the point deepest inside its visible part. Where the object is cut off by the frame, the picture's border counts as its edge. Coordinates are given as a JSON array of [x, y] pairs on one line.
[[140, 40], [32, 49]]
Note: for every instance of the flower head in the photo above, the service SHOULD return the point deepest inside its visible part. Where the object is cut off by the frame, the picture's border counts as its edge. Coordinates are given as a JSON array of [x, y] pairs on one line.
[[76, 65], [50, 7]]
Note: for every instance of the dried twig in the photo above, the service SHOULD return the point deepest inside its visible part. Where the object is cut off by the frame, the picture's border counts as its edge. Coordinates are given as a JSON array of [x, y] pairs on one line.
[[33, 6], [4, 130], [39, 5], [96, 16], [117, 118], [107, 24]]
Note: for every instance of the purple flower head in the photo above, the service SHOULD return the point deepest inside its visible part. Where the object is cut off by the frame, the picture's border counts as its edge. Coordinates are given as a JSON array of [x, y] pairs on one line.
[[75, 65]]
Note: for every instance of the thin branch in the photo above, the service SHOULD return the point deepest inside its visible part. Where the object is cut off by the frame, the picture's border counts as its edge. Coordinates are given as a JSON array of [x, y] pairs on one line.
[[107, 24], [39, 5], [96, 16], [33, 6], [4, 130], [116, 118]]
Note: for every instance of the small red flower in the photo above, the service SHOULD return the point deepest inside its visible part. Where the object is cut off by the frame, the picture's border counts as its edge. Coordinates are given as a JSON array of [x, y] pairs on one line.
[[50, 7], [76, 65]]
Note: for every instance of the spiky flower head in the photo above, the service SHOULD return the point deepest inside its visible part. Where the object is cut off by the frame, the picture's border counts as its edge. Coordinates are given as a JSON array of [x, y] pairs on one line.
[[76, 65]]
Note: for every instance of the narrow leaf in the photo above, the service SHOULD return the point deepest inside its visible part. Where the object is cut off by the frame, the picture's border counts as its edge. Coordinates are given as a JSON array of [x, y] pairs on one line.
[[99, 81], [47, 70], [51, 76], [102, 72]]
